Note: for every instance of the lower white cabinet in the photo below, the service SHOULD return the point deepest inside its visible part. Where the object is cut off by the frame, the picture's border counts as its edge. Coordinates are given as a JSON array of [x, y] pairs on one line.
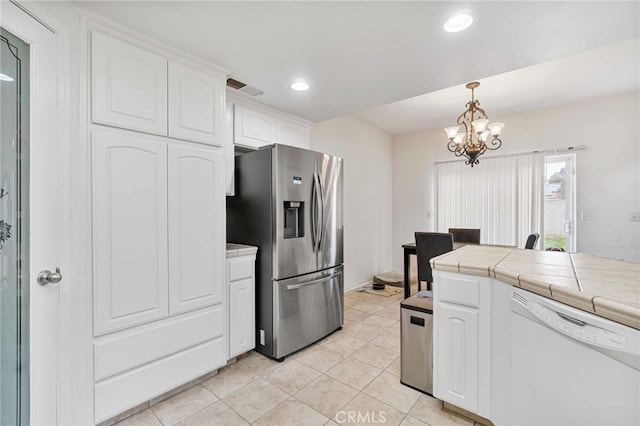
[[457, 355], [462, 340], [241, 290], [160, 317]]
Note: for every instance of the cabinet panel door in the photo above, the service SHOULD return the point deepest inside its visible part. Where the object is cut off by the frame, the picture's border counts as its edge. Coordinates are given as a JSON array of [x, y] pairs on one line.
[[253, 129], [196, 227], [241, 316], [293, 134], [129, 85], [196, 105], [129, 229], [456, 347]]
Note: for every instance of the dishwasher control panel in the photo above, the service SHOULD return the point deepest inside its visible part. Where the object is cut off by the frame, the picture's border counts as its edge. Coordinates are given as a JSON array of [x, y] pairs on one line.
[[577, 329]]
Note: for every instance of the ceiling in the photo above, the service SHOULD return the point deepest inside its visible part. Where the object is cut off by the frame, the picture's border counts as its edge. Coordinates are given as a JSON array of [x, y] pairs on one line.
[[361, 56]]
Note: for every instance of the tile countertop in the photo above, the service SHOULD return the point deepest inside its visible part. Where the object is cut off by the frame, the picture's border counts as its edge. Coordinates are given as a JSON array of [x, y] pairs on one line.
[[606, 287], [235, 250]]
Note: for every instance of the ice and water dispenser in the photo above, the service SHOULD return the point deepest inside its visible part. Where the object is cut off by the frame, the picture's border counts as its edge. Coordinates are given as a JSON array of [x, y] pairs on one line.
[[293, 219]]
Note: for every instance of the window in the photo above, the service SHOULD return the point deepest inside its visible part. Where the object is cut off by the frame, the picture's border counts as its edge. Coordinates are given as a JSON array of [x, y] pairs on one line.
[[502, 196], [559, 202]]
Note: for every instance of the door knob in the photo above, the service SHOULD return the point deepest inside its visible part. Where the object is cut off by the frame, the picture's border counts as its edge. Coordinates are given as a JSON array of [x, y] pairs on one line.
[[47, 277]]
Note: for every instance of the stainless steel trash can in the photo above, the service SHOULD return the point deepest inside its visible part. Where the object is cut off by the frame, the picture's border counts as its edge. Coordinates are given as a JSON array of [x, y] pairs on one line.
[[416, 348]]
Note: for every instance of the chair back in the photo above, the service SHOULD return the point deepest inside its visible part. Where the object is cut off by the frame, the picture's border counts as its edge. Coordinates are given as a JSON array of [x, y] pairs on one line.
[[429, 245], [465, 235], [532, 240]]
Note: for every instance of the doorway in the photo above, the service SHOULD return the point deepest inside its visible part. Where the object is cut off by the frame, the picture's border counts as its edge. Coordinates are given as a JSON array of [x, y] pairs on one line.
[[560, 203], [14, 226]]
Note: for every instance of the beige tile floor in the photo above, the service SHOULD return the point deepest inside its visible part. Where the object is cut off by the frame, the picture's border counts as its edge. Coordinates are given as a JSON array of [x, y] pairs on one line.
[[351, 377]]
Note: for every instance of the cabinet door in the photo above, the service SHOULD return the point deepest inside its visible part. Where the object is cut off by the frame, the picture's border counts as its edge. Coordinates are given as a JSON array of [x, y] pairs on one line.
[[229, 151], [196, 105], [456, 355], [293, 134], [196, 227], [241, 307], [129, 190], [253, 129], [129, 85]]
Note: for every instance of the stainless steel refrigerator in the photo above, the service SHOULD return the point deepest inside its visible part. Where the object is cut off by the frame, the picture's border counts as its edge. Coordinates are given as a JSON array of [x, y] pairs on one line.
[[288, 203]]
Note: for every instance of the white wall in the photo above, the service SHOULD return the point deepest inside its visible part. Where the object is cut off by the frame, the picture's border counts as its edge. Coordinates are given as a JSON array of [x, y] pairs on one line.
[[367, 194], [608, 172]]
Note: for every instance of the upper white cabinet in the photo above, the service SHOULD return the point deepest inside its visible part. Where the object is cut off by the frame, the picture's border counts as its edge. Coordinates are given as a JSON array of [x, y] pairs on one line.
[[293, 134], [196, 105], [196, 224], [253, 128], [137, 89], [129, 85], [129, 188]]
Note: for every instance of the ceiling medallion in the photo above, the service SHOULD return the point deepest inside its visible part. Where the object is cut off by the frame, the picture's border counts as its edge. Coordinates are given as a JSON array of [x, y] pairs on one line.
[[469, 137]]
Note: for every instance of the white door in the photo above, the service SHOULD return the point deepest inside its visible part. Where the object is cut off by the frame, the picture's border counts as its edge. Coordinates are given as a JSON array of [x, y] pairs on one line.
[[196, 100], [119, 69], [196, 227], [43, 221], [129, 188], [457, 355]]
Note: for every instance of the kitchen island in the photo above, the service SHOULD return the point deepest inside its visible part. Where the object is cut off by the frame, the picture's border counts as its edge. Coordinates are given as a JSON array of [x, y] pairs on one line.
[[532, 337]]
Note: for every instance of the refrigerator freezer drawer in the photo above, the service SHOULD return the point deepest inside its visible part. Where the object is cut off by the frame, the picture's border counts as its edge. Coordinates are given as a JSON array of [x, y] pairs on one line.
[[306, 309]]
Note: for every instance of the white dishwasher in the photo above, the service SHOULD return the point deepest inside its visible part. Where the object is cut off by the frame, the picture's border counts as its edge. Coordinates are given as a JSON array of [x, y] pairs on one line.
[[570, 367]]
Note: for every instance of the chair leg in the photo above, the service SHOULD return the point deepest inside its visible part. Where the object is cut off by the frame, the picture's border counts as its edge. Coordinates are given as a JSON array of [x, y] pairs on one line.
[[429, 286], [419, 285]]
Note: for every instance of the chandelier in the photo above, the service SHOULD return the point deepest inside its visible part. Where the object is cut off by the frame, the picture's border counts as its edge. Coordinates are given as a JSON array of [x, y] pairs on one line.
[[469, 137]]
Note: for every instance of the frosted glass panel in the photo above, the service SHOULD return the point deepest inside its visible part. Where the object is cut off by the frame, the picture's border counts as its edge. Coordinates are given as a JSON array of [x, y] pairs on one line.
[[14, 267]]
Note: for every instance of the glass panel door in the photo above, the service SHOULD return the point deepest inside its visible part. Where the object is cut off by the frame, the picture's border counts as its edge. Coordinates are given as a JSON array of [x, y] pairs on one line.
[[560, 203], [14, 216]]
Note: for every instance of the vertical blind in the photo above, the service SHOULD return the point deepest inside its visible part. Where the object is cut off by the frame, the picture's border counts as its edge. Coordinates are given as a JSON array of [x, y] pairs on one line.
[[503, 196]]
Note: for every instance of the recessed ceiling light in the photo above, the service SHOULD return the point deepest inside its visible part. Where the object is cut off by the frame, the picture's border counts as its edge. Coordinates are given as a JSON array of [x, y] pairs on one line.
[[300, 86], [458, 23], [5, 77]]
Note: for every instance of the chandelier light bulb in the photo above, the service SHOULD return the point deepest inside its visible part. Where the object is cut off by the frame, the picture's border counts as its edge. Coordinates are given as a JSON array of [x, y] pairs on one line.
[[458, 138], [479, 125], [496, 128], [452, 131]]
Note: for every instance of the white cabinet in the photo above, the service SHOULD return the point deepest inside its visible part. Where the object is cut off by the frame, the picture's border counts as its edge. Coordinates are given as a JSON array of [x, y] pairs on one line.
[[135, 179], [253, 128], [137, 89], [129, 188], [462, 340], [196, 105], [241, 282], [129, 85], [229, 151], [293, 134], [457, 355], [196, 224]]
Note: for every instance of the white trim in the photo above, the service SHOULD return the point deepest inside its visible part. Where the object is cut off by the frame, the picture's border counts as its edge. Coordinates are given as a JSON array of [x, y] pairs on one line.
[[235, 97], [104, 24]]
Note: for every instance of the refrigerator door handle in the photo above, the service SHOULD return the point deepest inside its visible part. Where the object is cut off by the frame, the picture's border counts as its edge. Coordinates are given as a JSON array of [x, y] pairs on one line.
[[321, 218], [314, 214], [327, 278]]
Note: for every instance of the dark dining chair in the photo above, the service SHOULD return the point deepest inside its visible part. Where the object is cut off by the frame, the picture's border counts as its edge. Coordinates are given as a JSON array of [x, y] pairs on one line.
[[532, 240], [429, 245], [465, 235]]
